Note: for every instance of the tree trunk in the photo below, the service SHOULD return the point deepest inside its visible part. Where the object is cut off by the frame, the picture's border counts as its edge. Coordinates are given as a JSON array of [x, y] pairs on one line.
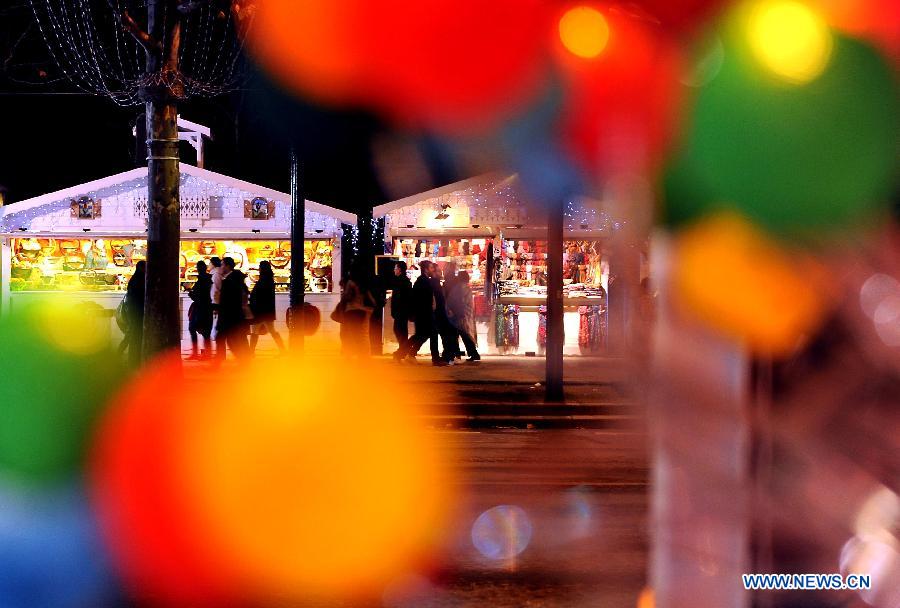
[[162, 322]]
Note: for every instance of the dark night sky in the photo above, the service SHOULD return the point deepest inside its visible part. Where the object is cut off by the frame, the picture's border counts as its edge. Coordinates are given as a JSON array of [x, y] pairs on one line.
[[52, 137]]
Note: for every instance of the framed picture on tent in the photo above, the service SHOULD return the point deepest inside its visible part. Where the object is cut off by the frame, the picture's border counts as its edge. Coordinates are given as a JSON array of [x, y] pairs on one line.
[[259, 209], [85, 208]]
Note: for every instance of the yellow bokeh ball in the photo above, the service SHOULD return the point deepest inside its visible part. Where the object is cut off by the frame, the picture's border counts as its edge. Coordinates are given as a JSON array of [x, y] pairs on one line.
[[734, 279], [315, 478], [790, 39], [584, 31]]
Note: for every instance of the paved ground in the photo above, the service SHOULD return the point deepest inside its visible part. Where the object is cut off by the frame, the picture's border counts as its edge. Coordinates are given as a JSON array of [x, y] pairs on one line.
[[584, 495]]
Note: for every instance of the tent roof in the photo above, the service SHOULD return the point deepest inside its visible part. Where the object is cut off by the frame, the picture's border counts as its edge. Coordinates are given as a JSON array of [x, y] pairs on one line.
[[400, 203], [139, 176]]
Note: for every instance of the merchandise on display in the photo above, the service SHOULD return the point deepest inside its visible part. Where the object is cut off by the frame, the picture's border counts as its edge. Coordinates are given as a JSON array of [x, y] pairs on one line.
[[100, 265], [469, 255]]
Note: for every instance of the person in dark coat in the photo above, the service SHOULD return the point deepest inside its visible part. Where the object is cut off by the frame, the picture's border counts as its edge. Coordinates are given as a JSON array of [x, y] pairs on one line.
[[200, 314], [442, 324], [401, 308], [461, 313], [134, 304], [262, 305], [449, 335], [232, 323], [423, 307]]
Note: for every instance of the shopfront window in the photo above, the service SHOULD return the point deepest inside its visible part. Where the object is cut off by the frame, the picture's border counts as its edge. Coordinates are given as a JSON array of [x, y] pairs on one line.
[[523, 268], [107, 264], [469, 255]]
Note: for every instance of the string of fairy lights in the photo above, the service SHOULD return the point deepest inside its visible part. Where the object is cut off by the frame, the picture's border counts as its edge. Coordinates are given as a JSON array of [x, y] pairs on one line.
[[124, 203], [89, 44], [499, 203]]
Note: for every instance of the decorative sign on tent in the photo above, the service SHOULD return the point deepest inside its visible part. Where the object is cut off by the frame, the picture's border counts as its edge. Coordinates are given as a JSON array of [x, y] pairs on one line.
[[85, 208], [259, 209]]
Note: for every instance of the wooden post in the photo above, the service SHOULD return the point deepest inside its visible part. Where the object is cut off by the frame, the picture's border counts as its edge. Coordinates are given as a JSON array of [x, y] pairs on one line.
[[162, 318], [555, 336], [298, 235]]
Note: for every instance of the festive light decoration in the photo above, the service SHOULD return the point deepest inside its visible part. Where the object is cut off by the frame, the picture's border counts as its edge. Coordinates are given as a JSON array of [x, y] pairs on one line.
[[45, 425], [646, 599], [205, 502], [93, 50], [790, 39], [50, 550], [731, 277], [797, 159], [621, 107], [454, 65], [877, 21], [584, 31]]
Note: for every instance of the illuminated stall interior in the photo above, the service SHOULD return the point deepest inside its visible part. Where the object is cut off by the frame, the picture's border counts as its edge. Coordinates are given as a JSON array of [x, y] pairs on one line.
[[485, 227], [85, 241]]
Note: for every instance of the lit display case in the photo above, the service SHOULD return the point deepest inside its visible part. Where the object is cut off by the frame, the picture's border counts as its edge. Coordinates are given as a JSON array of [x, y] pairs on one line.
[[522, 271], [106, 264], [469, 255]]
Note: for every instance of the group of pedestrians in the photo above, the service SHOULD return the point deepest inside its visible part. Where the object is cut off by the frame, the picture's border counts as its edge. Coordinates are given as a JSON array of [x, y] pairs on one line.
[[225, 303], [443, 313], [221, 305]]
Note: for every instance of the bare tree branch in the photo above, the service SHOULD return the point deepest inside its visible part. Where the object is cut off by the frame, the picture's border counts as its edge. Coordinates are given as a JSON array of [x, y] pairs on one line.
[[150, 44]]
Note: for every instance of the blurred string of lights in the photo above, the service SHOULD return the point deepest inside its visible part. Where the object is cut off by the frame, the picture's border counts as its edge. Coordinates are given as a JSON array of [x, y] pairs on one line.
[[498, 203], [91, 47]]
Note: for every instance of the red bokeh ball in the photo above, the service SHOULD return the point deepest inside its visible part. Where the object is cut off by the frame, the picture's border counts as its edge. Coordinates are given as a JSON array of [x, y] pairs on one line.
[[452, 65], [155, 543], [622, 107]]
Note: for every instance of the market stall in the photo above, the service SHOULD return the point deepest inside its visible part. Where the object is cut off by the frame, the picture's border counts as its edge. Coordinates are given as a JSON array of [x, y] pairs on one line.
[[84, 241], [483, 226]]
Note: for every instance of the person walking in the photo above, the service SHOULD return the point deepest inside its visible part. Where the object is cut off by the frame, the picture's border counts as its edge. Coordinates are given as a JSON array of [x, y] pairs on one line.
[[449, 335], [401, 308], [231, 327], [353, 314], [423, 307], [461, 313], [200, 314], [442, 324], [215, 295], [262, 305], [134, 304]]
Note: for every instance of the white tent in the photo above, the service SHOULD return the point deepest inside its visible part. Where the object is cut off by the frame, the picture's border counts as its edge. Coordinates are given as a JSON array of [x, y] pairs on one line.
[[215, 208]]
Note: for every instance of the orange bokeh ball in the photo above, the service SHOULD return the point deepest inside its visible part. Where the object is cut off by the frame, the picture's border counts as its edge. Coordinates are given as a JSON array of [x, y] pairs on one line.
[[288, 480], [734, 279], [453, 65], [622, 105], [875, 20]]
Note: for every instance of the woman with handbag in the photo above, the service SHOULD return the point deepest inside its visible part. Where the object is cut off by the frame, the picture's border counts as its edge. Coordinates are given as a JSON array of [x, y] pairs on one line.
[[352, 312], [200, 314], [262, 305]]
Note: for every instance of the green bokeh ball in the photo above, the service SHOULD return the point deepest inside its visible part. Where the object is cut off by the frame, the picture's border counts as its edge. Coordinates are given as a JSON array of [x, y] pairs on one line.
[[801, 159], [58, 372]]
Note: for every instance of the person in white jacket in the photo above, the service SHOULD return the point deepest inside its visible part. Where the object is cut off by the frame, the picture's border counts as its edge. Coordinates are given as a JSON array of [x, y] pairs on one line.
[[215, 294]]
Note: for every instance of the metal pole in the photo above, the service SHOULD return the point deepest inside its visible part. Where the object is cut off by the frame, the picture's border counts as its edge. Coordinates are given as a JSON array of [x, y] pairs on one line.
[[555, 337], [298, 263]]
